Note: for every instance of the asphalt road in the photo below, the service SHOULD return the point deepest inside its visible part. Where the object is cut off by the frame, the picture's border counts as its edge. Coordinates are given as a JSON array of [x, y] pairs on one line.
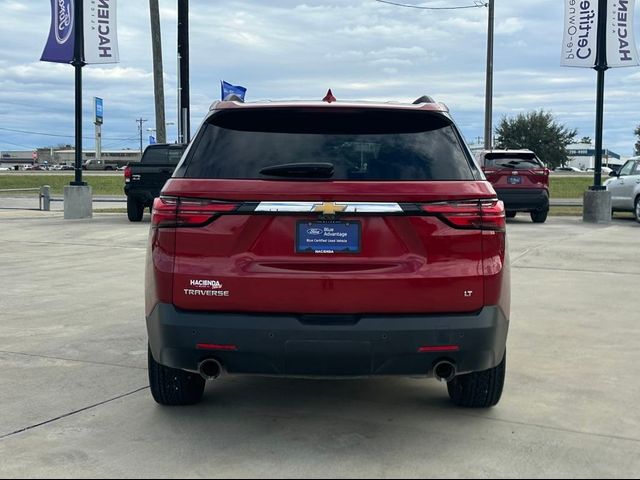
[[75, 401]]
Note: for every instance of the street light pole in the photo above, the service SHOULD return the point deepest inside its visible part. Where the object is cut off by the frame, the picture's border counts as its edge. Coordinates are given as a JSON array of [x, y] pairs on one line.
[[488, 111], [78, 63]]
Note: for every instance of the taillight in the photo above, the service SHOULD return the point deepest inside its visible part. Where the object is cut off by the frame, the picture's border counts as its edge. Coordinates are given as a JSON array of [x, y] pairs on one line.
[[475, 215], [127, 173], [542, 171], [187, 212]]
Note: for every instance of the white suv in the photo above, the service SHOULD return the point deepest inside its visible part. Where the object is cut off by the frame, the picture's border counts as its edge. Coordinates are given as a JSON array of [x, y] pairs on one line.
[[625, 188]]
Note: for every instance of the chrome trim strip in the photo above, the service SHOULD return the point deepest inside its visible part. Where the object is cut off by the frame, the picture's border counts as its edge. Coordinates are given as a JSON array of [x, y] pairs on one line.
[[316, 207]]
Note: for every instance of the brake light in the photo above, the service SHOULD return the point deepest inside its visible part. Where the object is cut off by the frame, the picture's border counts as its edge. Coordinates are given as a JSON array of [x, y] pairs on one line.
[[542, 171], [127, 173], [475, 215], [187, 212]]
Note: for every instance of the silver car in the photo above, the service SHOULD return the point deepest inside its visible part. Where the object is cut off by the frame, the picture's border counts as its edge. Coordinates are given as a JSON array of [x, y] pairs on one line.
[[625, 188]]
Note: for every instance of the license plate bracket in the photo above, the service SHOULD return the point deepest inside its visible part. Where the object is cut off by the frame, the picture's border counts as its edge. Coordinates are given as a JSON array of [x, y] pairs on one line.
[[327, 238], [515, 180]]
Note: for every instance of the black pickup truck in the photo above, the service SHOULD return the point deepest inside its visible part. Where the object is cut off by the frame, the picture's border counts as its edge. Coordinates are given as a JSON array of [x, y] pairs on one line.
[[144, 179]]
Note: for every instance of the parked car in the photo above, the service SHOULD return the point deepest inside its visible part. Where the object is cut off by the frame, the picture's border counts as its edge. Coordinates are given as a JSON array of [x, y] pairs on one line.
[[605, 170], [144, 179], [521, 181], [568, 169], [625, 188], [328, 239]]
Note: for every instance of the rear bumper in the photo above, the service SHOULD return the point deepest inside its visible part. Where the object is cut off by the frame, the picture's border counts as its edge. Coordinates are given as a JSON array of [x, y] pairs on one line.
[[524, 199], [290, 345], [141, 196]]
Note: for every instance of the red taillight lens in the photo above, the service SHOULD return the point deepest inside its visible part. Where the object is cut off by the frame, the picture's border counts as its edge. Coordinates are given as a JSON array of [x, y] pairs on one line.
[[164, 212], [542, 171], [475, 215], [187, 212], [439, 349], [127, 173]]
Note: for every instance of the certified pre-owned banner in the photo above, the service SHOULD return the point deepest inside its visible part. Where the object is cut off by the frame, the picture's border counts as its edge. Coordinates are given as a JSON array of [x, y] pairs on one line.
[[60, 45], [580, 33], [100, 32], [621, 45]]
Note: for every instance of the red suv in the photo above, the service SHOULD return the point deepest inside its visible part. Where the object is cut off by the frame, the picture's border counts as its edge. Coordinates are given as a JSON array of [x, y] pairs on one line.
[[521, 181], [329, 240]]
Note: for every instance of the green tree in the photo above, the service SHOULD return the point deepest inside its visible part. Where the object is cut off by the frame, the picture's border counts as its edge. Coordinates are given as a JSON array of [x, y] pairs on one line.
[[537, 131], [586, 140], [637, 133]]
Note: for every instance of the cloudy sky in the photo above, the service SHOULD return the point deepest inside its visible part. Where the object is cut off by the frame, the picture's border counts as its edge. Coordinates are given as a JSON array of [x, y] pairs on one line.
[[297, 49]]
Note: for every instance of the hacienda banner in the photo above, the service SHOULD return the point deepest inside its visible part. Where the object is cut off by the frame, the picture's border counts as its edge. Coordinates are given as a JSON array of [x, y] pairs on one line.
[[580, 33], [621, 45], [100, 32], [61, 43], [99, 29]]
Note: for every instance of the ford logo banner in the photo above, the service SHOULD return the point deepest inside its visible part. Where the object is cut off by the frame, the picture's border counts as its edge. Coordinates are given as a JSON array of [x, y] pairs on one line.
[[64, 20], [61, 43]]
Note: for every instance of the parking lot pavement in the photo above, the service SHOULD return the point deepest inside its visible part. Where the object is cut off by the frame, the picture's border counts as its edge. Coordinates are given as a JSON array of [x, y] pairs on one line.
[[75, 401]]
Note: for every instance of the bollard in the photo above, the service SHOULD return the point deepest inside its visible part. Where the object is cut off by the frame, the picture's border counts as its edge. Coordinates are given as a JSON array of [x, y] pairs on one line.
[[45, 198]]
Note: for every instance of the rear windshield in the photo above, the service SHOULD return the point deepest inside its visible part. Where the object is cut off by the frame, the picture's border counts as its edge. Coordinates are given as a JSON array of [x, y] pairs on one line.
[[170, 155], [521, 161], [361, 144]]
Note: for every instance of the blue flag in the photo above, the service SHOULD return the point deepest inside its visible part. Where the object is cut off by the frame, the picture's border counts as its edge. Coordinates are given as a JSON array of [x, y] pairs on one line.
[[152, 140], [228, 89]]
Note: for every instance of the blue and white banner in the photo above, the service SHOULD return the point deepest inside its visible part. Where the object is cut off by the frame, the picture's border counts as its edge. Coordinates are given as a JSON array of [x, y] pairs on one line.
[[621, 44], [152, 140], [228, 89], [580, 45], [61, 43], [100, 32]]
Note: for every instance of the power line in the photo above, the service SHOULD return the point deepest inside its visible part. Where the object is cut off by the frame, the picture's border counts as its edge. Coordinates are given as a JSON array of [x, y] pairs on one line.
[[28, 132], [477, 4]]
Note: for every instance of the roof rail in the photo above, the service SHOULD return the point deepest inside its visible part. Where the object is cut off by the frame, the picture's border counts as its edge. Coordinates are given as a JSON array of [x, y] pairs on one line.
[[232, 97], [424, 99]]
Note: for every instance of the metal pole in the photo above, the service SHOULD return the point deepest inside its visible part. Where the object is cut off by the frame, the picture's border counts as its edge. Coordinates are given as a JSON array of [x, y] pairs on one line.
[[601, 67], [184, 114], [488, 112], [78, 63]]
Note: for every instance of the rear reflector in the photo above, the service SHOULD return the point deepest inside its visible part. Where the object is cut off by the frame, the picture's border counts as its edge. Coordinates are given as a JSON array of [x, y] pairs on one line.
[[439, 348], [187, 212], [214, 347], [474, 215]]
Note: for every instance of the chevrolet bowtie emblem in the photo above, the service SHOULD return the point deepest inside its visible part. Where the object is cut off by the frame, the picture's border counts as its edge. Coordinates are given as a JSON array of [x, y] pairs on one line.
[[327, 208]]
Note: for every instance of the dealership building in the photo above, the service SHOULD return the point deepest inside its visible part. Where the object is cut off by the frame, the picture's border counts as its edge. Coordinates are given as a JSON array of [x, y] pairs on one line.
[[583, 156]]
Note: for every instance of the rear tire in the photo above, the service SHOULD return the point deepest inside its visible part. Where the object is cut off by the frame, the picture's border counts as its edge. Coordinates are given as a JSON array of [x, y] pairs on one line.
[[511, 214], [172, 387], [478, 389], [539, 216], [636, 210], [135, 210]]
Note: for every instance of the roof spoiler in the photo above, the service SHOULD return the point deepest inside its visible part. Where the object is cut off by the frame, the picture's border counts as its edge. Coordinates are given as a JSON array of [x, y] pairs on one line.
[[424, 99]]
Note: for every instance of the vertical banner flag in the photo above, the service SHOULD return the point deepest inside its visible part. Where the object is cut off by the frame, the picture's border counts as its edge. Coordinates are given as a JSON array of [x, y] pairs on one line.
[[228, 89], [579, 48], [100, 32], [152, 140], [60, 44], [621, 45]]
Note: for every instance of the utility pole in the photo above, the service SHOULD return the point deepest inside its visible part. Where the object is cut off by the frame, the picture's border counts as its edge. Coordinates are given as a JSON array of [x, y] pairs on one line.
[[488, 111], [158, 80], [140, 121], [184, 114]]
